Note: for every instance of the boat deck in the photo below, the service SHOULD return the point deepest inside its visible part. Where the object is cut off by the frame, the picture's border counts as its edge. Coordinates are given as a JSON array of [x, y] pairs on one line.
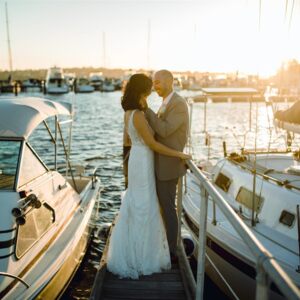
[[284, 178], [170, 284]]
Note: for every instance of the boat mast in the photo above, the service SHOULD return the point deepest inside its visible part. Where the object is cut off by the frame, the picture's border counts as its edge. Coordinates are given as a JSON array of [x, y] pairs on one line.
[[291, 15], [253, 221], [148, 44], [8, 39], [104, 47], [286, 9]]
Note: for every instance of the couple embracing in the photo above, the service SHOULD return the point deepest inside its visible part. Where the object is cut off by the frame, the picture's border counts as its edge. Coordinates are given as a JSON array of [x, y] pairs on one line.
[[144, 238]]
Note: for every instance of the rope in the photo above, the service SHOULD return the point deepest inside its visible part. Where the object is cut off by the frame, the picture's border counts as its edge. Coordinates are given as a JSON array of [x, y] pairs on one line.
[[222, 277]]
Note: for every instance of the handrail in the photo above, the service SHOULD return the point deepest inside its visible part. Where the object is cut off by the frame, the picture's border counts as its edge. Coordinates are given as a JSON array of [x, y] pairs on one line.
[[14, 277], [265, 262]]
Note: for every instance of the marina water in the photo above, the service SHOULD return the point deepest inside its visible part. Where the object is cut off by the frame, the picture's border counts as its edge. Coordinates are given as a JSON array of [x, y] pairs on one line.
[[97, 142]]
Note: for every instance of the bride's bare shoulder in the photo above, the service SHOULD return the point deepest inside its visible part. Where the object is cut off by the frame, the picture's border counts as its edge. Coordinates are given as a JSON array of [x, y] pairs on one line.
[[139, 115]]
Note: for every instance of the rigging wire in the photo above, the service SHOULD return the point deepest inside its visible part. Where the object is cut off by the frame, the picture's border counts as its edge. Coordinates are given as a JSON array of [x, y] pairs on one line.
[[267, 158], [291, 15], [259, 16], [286, 9]]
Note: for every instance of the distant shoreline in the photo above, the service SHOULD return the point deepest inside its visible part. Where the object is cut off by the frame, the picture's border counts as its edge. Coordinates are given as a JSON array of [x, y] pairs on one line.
[[41, 73], [85, 71]]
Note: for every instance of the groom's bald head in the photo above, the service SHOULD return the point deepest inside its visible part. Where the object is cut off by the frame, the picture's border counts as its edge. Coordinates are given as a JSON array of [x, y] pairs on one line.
[[163, 82], [164, 75]]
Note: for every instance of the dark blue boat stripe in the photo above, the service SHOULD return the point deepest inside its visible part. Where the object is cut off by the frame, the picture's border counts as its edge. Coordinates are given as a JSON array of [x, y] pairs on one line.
[[233, 260], [7, 244], [7, 255], [8, 230]]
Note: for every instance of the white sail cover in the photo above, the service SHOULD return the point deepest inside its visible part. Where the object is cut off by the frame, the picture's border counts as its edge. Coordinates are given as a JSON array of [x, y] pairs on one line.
[[20, 116]]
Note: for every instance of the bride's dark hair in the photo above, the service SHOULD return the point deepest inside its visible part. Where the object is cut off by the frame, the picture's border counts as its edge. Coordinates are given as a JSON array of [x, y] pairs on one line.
[[137, 86]]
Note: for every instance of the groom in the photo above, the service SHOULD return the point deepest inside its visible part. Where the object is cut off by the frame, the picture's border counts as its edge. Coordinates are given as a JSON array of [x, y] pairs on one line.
[[171, 125]]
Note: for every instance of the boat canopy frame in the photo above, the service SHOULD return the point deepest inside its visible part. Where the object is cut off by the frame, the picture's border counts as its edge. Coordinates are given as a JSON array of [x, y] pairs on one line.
[[32, 112]]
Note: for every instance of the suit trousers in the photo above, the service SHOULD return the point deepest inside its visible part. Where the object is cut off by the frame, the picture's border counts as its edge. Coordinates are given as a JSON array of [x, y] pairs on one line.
[[166, 192]]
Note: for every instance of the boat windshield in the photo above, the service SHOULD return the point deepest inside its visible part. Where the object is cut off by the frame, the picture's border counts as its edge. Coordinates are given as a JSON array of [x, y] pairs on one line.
[[56, 80], [9, 158], [83, 81]]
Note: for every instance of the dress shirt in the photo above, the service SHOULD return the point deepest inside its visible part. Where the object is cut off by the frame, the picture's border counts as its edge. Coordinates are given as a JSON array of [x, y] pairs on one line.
[[164, 104]]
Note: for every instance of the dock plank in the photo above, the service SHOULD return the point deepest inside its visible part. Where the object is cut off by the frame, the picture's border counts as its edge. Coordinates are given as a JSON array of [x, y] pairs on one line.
[[167, 285], [164, 277]]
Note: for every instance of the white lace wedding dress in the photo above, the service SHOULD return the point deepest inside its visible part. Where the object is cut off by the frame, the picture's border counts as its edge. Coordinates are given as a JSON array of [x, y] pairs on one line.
[[138, 244]]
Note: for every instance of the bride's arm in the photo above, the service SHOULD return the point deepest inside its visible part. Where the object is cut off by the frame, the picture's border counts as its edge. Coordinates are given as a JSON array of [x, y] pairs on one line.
[[142, 127], [126, 138]]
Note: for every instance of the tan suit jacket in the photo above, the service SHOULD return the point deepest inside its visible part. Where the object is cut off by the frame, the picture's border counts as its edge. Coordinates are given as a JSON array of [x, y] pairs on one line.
[[171, 129]]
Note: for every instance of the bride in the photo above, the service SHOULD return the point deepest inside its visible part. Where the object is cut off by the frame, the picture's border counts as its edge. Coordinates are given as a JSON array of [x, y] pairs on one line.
[[138, 243]]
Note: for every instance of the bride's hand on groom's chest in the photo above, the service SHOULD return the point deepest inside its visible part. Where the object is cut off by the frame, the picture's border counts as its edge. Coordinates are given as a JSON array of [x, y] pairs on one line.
[[161, 113]]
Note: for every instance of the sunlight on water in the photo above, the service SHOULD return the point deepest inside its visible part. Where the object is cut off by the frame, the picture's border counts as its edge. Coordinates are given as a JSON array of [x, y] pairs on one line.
[[230, 122]]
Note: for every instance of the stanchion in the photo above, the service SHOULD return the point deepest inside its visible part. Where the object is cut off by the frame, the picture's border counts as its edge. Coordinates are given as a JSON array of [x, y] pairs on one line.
[[202, 244]]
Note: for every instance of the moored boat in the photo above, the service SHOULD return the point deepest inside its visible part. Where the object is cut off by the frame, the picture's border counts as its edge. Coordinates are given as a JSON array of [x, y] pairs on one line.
[[273, 222], [96, 80], [83, 85], [107, 86], [263, 188], [45, 215], [56, 82], [31, 85]]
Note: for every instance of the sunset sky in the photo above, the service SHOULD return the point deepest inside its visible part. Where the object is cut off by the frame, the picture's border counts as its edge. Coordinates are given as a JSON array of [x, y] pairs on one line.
[[196, 35]]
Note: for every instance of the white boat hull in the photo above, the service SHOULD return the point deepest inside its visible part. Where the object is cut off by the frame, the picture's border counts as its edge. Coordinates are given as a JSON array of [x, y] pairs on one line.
[[228, 251], [85, 89], [44, 224], [108, 88], [238, 273], [49, 272], [57, 90]]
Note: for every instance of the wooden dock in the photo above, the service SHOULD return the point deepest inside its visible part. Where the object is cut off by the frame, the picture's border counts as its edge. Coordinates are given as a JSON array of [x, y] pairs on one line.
[[170, 284]]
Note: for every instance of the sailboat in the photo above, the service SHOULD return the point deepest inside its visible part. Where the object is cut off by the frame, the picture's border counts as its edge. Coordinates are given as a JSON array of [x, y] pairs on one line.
[[263, 188]]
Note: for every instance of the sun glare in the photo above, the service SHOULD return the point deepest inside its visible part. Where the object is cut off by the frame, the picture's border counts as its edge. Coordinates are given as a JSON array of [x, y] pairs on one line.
[[261, 45], [213, 36]]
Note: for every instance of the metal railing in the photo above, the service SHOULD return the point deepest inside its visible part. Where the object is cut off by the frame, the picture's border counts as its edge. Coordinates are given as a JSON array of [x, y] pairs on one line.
[[14, 277], [266, 265]]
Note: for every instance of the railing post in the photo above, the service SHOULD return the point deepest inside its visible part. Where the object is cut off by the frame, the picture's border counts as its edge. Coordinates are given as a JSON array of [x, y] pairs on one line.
[[55, 145], [204, 118], [202, 244], [179, 208], [250, 112], [214, 220], [190, 126], [261, 283]]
